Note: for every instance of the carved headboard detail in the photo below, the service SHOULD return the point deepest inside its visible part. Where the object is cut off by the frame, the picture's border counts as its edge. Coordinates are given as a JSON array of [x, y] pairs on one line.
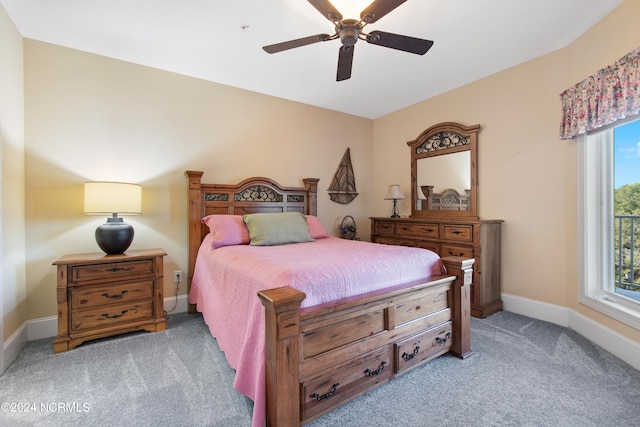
[[448, 200]]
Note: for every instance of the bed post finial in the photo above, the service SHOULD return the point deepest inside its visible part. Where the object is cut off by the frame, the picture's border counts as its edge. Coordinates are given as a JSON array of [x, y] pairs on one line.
[[311, 184]]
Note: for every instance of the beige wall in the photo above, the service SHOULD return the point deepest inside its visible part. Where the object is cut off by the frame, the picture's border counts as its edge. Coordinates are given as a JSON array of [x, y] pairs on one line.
[[12, 223], [93, 118], [527, 175], [90, 117]]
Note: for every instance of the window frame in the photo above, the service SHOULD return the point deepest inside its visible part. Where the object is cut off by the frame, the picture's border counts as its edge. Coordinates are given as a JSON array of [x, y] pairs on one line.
[[595, 229]]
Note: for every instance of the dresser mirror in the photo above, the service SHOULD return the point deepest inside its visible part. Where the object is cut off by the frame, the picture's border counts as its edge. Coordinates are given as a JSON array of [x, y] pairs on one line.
[[444, 172]]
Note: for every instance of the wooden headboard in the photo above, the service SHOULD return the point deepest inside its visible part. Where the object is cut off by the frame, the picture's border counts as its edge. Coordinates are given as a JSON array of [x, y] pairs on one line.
[[448, 200], [252, 195]]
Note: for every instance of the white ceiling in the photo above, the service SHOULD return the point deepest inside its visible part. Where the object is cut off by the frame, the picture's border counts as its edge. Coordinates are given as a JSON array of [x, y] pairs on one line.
[[221, 40]]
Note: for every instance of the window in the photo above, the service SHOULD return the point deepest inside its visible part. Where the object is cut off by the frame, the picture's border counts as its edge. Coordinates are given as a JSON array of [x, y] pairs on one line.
[[609, 257]]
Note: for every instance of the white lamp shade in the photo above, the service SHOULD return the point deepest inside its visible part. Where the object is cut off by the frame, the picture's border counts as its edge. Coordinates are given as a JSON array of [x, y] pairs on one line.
[[394, 193], [112, 197]]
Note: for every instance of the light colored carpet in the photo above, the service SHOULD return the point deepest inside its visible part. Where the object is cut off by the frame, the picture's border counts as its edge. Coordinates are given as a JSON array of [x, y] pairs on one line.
[[524, 372]]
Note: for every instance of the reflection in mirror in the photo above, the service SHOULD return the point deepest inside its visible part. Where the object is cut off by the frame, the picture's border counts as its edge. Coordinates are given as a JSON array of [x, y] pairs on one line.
[[451, 171]]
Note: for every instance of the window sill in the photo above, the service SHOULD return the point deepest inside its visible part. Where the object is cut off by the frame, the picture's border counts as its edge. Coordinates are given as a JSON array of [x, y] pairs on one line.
[[613, 307]]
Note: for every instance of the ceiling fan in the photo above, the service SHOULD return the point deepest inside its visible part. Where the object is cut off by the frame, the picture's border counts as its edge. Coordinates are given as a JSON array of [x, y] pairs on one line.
[[349, 31]]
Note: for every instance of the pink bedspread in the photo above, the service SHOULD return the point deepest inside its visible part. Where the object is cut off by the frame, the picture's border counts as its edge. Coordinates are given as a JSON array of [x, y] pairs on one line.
[[226, 282]]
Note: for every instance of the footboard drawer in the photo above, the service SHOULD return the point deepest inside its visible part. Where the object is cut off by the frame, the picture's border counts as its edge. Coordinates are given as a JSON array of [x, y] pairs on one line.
[[337, 386], [425, 346]]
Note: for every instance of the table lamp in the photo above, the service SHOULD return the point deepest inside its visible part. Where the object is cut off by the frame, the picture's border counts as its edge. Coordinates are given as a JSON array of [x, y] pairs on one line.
[[115, 236], [394, 193]]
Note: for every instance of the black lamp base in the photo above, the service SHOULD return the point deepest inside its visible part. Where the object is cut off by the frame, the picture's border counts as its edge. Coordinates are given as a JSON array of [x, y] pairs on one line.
[[394, 212], [115, 236]]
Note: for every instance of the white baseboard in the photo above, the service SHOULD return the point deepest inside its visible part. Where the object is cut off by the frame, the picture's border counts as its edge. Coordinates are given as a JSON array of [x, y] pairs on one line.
[[14, 344], [175, 305], [615, 343], [47, 327]]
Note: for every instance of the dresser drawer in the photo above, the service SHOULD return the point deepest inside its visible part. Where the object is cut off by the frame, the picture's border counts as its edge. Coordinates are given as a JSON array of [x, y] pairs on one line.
[[451, 250], [345, 382], [80, 273], [425, 230], [94, 295], [386, 240], [384, 227], [463, 233], [421, 347], [110, 315], [426, 244]]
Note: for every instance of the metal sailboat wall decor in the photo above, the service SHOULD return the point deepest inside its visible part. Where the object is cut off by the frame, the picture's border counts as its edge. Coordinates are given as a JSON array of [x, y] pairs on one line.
[[343, 187]]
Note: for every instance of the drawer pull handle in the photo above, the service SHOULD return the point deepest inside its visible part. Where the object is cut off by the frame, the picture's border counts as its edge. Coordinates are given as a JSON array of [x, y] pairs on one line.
[[459, 254], [407, 356], [443, 341], [115, 316], [371, 373], [456, 232], [326, 395], [117, 296], [114, 269]]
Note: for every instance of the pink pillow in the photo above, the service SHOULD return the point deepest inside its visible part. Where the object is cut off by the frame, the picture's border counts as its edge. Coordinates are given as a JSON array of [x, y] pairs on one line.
[[316, 230], [227, 230]]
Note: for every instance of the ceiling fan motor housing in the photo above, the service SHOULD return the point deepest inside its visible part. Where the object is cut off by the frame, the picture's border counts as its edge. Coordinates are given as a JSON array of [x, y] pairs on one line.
[[349, 31]]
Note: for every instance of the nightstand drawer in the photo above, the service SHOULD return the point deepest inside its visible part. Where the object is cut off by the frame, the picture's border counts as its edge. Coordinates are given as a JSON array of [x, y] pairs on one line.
[[94, 295], [422, 347], [458, 232], [418, 230], [109, 315], [88, 272], [450, 250]]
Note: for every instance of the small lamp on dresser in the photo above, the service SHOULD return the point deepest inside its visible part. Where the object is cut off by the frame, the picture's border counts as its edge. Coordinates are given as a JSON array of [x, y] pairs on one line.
[[394, 193], [115, 236]]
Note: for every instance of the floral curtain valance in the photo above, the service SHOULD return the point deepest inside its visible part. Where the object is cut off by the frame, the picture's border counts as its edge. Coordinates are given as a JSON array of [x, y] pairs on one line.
[[610, 94]]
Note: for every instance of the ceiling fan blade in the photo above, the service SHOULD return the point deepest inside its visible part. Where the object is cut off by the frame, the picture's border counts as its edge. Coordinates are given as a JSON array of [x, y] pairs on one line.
[[327, 10], [345, 60], [279, 47], [399, 42], [378, 9]]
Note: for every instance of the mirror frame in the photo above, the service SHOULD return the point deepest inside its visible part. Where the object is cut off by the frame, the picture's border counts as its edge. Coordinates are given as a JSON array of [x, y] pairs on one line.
[[422, 148]]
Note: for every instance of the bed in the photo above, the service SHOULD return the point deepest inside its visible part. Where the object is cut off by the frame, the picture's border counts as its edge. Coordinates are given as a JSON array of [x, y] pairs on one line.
[[299, 354]]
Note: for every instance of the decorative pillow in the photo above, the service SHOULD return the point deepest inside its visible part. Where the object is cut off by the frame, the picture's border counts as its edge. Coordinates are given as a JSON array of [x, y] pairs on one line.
[[269, 229], [227, 230], [316, 230]]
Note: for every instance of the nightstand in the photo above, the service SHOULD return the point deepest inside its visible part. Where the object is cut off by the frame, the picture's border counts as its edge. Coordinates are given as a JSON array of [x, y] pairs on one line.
[[103, 295]]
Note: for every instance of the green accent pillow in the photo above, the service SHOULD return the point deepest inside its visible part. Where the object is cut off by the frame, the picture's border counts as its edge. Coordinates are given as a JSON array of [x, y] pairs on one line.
[[270, 229]]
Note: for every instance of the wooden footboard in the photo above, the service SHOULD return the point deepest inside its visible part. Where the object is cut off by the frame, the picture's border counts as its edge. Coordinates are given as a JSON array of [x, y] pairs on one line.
[[322, 357]]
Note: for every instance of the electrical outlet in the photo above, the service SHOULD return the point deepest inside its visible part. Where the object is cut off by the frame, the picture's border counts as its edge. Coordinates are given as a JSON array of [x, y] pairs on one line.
[[177, 276]]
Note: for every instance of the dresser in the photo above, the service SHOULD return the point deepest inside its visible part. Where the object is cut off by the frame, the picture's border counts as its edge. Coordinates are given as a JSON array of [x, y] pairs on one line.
[[103, 295], [468, 238]]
